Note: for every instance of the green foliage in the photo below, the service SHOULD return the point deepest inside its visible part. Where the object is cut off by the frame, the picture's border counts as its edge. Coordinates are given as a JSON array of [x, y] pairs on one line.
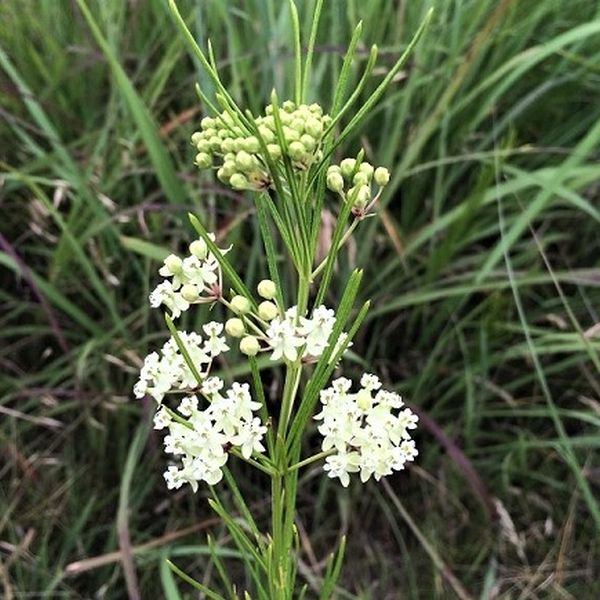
[[482, 268]]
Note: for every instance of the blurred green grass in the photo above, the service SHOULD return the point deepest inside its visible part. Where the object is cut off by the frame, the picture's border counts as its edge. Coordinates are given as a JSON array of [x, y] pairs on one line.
[[483, 270]]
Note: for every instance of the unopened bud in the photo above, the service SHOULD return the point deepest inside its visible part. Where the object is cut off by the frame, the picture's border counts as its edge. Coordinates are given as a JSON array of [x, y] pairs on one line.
[[199, 249], [274, 151], [251, 144], [314, 127], [235, 327], [267, 289], [240, 305], [190, 292], [367, 169], [196, 137], [215, 142], [207, 123], [297, 150], [249, 346], [360, 196], [238, 181], [228, 145], [267, 310], [335, 182], [298, 125], [360, 179], [381, 176], [244, 161], [203, 160], [173, 263], [308, 142], [347, 167]]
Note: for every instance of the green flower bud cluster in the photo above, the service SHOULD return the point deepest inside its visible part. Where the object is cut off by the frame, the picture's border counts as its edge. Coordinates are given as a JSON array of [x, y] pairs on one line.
[[239, 158], [355, 179], [242, 326]]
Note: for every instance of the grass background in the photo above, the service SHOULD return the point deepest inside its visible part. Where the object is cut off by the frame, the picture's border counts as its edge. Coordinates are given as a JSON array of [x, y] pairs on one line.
[[483, 270]]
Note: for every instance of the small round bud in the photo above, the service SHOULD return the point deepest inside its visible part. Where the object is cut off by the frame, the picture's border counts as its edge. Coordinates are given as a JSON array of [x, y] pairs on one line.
[[297, 150], [249, 346], [235, 327], [203, 146], [289, 106], [314, 127], [173, 263], [347, 167], [196, 137], [207, 123], [269, 109], [360, 196], [274, 151], [223, 133], [335, 182], [203, 160], [238, 181], [208, 133], [190, 292], [298, 125], [381, 176], [367, 169], [240, 305], [267, 135], [266, 289], [215, 142], [228, 145], [309, 142], [229, 167], [244, 161], [199, 249], [360, 179], [316, 109], [223, 176], [251, 144], [267, 310], [334, 169], [285, 118], [291, 135]]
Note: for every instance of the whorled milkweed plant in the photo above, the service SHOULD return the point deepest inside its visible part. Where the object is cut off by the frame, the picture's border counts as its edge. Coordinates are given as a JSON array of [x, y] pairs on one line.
[[283, 157]]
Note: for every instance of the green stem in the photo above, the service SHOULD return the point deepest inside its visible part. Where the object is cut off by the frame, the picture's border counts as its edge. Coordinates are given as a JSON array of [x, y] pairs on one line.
[[311, 459], [344, 239]]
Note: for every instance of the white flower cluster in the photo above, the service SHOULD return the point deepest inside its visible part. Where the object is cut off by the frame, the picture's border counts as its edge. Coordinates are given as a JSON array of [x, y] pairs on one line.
[[286, 336], [364, 431], [193, 279], [202, 438], [168, 370]]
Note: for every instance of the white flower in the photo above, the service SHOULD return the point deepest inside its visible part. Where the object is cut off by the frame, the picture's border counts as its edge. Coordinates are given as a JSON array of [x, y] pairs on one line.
[[173, 267], [281, 336], [340, 465], [317, 330], [215, 344], [188, 405], [165, 293], [370, 382], [249, 436], [162, 419], [211, 386], [200, 273]]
